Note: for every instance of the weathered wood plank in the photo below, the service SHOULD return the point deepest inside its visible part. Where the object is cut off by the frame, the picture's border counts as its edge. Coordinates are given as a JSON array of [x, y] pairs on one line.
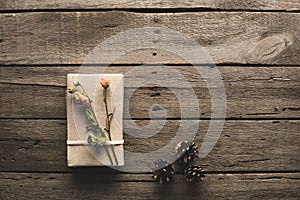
[[215, 186], [24, 101], [56, 75], [40, 145], [127, 4], [252, 92], [229, 37]]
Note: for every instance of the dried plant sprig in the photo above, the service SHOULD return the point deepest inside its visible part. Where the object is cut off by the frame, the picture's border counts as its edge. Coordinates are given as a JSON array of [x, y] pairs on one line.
[[96, 137], [81, 99], [163, 172], [96, 141]]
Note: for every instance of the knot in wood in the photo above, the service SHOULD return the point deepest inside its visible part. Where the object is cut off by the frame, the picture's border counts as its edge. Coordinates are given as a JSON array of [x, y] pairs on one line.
[[268, 48]]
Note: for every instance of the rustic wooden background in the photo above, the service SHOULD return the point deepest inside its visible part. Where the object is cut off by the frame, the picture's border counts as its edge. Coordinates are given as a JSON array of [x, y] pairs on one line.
[[256, 45]]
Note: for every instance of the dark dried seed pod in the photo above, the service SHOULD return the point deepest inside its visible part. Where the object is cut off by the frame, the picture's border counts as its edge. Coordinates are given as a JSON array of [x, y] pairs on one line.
[[186, 152], [163, 172], [194, 174]]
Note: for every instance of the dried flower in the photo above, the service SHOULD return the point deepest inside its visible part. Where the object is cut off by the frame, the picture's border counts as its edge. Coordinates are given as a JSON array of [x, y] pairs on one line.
[[96, 137], [163, 172], [105, 82], [81, 98], [71, 90], [76, 83]]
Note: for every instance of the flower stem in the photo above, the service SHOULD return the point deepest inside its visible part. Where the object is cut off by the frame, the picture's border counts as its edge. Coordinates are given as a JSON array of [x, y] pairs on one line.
[[110, 159], [96, 121], [106, 110], [108, 120]]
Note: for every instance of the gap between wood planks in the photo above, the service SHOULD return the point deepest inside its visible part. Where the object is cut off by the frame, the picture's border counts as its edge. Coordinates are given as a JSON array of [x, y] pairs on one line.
[[258, 5], [149, 10], [275, 120], [139, 64], [110, 171]]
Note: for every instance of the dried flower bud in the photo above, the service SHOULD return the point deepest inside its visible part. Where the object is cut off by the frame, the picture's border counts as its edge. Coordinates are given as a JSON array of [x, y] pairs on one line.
[[71, 90], [81, 98], [76, 83], [105, 82]]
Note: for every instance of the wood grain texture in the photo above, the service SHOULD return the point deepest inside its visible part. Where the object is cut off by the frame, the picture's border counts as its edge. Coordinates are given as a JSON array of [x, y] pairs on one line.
[[56, 75], [252, 92], [160, 4], [216, 186], [40, 145], [259, 146], [229, 37]]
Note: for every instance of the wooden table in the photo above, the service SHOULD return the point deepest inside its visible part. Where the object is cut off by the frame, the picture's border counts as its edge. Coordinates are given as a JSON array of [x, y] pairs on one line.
[[255, 44]]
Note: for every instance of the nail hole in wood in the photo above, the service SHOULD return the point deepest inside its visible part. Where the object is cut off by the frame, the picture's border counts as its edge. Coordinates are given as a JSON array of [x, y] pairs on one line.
[[157, 94], [156, 20]]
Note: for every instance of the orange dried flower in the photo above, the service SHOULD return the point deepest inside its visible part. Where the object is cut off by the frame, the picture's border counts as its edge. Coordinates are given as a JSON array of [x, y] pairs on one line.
[[105, 82]]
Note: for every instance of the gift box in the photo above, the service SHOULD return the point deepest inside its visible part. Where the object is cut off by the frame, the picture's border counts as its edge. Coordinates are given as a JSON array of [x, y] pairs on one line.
[[87, 109]]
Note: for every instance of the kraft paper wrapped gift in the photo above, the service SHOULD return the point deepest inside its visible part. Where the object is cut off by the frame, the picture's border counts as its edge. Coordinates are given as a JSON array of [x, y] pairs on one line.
[[79, 152]]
